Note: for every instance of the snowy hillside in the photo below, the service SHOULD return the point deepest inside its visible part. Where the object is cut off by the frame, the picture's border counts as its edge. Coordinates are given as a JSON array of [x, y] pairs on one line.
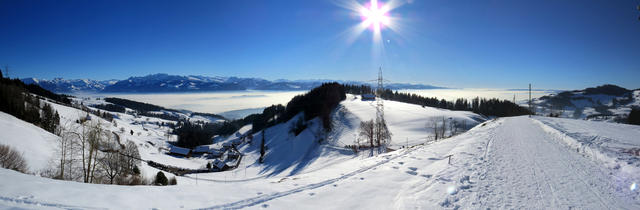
[[36, 144], [516, 162], [607, 102]]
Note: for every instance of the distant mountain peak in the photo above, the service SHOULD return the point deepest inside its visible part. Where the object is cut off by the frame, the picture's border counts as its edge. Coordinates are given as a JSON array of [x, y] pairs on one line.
[[163, 82]]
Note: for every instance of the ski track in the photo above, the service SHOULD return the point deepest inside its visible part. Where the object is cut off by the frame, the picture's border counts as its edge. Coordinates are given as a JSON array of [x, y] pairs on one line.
[[26, 201], [527, 167], [264, 198]]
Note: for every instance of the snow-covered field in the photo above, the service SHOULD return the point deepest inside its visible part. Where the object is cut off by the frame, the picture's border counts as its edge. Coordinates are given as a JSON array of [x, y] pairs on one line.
[[516, 162], [505, 163]]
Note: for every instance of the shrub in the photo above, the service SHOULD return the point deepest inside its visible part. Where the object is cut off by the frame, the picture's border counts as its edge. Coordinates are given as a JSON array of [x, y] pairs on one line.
[[161, 179], [173, 181], [12, 159]]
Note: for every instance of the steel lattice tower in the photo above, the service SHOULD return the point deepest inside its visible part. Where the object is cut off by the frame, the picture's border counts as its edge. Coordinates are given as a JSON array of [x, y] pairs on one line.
[[379, 102]]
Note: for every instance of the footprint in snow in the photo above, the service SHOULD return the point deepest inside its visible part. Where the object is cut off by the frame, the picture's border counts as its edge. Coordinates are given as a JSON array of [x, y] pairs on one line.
[[434, 159], [335, 185], [427, 176], [361, 178], [259, 193], [395, 167], [265, 205], [312, 194], [413, 168], [401, 163]]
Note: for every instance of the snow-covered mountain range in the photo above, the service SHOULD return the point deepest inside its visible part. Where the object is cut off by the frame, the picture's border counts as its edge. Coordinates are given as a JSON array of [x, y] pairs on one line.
[[606, 102], [61, 85], [192, 83]]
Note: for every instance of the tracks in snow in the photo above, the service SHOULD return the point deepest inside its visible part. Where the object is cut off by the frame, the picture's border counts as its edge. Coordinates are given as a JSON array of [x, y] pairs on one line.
[[267, 197], [526, 167]]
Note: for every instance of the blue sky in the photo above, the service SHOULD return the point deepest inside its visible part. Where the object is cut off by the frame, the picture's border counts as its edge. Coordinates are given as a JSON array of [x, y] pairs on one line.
[[483, 44]]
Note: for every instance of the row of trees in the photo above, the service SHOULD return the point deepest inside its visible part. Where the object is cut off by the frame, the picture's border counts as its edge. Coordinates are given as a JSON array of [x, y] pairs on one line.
[[17, 101], [192, 134], [488, 107]]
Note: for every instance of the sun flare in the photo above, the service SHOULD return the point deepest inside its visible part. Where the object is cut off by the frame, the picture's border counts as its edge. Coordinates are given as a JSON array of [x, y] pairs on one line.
[[375, 15]]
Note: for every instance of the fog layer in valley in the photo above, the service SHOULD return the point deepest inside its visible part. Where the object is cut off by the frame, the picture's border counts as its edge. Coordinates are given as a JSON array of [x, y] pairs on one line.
[[237, 104]]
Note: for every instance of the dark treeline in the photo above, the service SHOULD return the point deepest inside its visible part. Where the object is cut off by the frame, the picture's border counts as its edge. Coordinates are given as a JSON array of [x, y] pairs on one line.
[[110, 107], [192, 134], [16, 100], [138, 106], [487, 107], [149, 110], [144, 109], [319, 102]]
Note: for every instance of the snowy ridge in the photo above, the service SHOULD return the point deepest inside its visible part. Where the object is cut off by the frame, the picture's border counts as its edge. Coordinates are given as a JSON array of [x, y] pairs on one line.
[[602, 103]]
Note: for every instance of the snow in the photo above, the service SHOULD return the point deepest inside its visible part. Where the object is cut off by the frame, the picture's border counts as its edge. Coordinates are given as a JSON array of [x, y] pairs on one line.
[[33, 142], [410, 124], [512, 162], [505, 163]]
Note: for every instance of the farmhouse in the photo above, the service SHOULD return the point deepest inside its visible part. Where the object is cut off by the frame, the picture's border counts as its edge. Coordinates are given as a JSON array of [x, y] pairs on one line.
[[180, 151], [368, 97]]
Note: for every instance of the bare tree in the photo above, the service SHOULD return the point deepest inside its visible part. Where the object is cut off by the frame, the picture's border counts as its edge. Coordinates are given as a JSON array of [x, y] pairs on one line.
[[88, 139], [439, 126], [131, 157], [367, 132], [12, 159], [111, 164], [434, 125], [382, 133], [443, 127], [65, 149]]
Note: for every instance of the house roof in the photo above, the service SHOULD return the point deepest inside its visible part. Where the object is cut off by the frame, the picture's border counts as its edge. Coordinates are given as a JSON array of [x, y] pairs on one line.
[[218, 163], [179, 150], [203, 148]]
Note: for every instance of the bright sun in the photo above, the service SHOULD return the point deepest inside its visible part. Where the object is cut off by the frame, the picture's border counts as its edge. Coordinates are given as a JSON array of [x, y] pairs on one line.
[[375, 16]]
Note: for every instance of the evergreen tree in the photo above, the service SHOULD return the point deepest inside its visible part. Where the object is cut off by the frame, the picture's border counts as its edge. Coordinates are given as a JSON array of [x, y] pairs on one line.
[[161, 179], [634, 117], [262, 149]]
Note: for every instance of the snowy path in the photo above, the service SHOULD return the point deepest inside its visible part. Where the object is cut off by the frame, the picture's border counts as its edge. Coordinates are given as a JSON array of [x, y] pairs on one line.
[[526, 167]]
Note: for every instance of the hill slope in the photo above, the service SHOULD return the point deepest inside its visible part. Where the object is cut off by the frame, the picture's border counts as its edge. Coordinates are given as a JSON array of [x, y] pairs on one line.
[[36, 144], [606, 102], [516, 162]]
